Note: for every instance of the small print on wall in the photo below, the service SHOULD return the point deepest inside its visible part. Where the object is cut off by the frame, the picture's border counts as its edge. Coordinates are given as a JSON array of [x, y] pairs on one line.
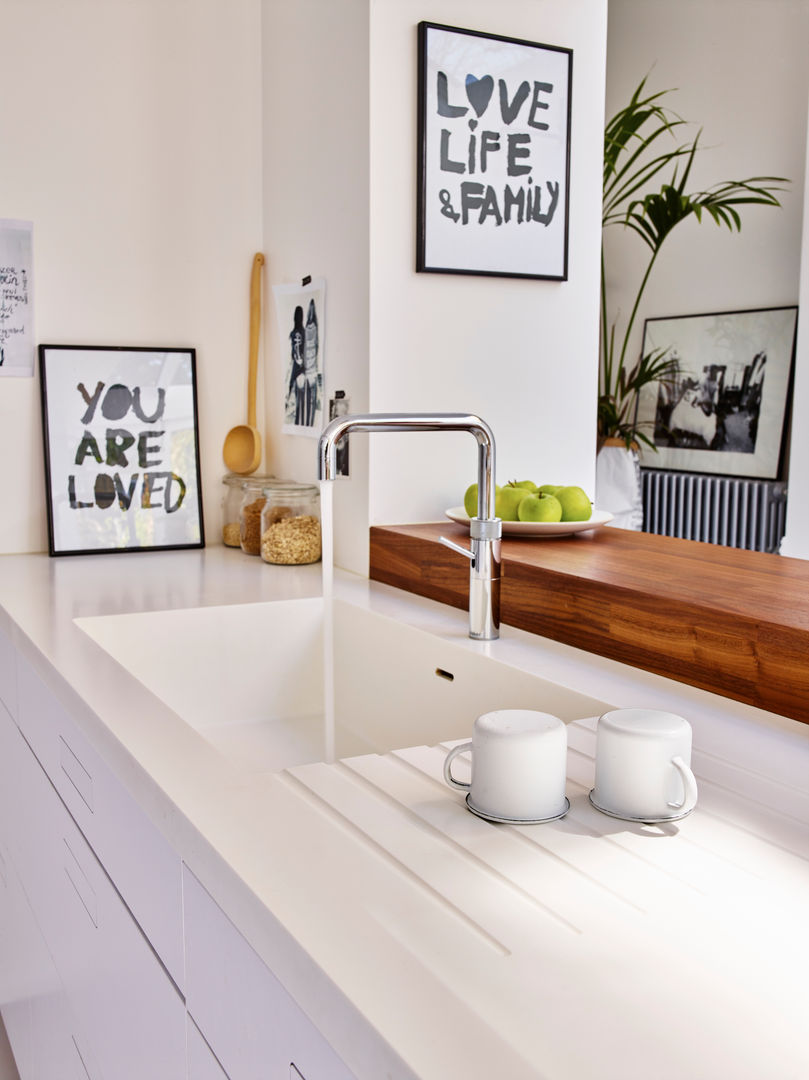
[[494, 154], [724, 412], [16, 301], [121, 449], [300, 310]]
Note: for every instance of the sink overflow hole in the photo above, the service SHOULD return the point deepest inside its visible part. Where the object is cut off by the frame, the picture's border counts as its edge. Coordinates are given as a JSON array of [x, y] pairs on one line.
[[442, 674]]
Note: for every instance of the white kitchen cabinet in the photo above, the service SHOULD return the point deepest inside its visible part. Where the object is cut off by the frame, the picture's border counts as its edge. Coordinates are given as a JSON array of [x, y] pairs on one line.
[[41, 1027], [113, 983], [40, 1024], [141, 863], [252, 1024]]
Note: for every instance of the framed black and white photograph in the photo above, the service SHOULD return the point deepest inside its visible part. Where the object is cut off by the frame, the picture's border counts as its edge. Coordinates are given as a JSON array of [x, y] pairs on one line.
[[301, 342], [724, 410], [121, 449], [493, 154]]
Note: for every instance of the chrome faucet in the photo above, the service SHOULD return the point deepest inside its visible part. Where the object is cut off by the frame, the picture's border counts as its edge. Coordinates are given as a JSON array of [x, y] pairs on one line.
[[484, 529]]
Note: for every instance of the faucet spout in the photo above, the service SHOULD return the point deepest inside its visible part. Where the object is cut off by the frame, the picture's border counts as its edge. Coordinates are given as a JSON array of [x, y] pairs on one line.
[[484, 528]]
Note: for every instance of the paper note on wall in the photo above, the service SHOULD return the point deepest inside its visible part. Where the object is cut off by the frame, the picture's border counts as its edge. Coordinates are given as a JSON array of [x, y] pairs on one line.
[[16, 301]]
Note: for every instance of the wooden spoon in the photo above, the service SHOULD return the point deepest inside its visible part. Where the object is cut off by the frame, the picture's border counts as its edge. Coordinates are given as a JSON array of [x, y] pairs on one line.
[[242, 449]]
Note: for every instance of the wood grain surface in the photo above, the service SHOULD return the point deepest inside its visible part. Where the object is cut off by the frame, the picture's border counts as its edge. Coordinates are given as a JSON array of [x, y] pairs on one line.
[[730, 621]]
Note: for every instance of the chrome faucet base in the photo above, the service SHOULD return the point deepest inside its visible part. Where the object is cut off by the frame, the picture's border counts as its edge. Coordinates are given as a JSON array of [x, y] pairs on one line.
[[485, 529]]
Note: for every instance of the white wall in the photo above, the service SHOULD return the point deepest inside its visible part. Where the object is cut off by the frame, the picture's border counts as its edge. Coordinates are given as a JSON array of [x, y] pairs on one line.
[[131, 138], [739, 69], [521, 353], [796, 541]]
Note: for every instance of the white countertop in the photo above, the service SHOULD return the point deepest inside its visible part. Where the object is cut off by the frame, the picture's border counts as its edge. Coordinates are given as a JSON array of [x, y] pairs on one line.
[[584, 947]]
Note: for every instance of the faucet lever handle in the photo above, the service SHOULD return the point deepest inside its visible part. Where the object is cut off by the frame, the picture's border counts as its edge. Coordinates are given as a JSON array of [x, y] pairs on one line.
[[457, 547]]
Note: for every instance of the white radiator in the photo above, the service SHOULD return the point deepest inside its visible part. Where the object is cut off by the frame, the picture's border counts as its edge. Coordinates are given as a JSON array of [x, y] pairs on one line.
[[717, 509]]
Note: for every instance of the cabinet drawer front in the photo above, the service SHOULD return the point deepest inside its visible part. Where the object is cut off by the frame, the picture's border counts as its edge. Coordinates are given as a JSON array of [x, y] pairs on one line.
[[252, 1024], [117, 989], [138, 858]]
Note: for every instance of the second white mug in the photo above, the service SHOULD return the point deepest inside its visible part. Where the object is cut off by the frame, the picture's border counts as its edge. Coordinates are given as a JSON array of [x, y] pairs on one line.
[[643, 766], [519, 760]]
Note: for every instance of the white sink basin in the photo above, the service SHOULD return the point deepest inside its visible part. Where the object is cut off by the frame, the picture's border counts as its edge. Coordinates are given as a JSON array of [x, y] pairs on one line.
[[249, 679]]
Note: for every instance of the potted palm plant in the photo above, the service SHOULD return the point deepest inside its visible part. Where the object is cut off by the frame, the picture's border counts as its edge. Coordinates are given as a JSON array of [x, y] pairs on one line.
[[641, 148]]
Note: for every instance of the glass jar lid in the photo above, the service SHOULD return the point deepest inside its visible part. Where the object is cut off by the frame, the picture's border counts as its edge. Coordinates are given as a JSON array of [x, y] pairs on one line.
[[291, 488], [238, 480]]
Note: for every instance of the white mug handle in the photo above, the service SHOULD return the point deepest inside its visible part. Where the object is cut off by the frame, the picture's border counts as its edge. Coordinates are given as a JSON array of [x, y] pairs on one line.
[[450, 779], [689, 786]]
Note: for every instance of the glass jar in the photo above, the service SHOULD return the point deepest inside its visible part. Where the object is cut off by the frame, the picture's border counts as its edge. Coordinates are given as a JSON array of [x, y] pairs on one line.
[[231, 501], [232, 492], [290, 524], [250, 507]]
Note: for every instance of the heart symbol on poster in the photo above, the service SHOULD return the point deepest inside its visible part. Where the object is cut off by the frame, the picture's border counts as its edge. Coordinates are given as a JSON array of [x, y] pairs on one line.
[[479, 92]]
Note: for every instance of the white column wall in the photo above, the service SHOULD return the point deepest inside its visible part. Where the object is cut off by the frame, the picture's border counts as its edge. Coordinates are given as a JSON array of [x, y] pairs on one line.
[[315, 137], [521, 353], [131, 138]]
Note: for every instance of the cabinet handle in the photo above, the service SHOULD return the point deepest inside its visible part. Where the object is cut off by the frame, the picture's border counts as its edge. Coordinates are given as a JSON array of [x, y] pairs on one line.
[[76, 773], [78, 879]]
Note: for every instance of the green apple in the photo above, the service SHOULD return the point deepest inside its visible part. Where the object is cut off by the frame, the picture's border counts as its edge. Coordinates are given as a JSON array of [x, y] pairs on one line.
[[507, 502], [575, 504], [549, 489], [529, 485], [470, 499], [540, 508]]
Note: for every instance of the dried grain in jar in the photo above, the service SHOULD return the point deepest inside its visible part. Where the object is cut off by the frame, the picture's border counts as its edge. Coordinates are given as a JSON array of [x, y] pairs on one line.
[[290, 524], [253, 501]]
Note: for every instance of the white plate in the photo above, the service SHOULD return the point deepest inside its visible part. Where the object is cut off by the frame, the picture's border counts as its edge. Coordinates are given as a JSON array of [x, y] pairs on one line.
[[538, 528]]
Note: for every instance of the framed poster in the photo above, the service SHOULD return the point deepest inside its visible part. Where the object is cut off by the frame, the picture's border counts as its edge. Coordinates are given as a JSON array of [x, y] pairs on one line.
[[302, 338], [121, 449], [493, 154], [725, 410]]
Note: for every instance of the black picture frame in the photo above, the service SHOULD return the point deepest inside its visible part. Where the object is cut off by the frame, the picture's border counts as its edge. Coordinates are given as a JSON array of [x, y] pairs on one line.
[[725, 412], [492, 200], [121, 442]]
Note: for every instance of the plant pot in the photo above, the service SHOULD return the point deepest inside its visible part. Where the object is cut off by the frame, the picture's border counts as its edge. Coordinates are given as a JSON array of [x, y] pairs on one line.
[[618, 487]]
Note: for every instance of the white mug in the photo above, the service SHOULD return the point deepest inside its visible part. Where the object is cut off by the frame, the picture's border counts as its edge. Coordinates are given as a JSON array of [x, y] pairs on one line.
[[519, 762], [643, 759]]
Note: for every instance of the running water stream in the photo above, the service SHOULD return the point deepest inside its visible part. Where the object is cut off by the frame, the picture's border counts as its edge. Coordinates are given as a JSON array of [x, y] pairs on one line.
[[327, 528]]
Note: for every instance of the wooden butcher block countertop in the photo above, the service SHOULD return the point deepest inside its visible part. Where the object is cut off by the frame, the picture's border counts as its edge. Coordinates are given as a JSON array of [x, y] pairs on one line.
[[730, 621]]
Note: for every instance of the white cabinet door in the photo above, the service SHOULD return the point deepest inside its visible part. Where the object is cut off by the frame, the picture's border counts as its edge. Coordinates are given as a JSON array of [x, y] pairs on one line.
[[118, 991], [202, 1064], [142, 864], [252, 1024]]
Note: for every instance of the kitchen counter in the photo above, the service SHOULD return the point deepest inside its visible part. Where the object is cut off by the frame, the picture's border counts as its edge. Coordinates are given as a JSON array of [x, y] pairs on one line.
[[730, 621], [422, 941]]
